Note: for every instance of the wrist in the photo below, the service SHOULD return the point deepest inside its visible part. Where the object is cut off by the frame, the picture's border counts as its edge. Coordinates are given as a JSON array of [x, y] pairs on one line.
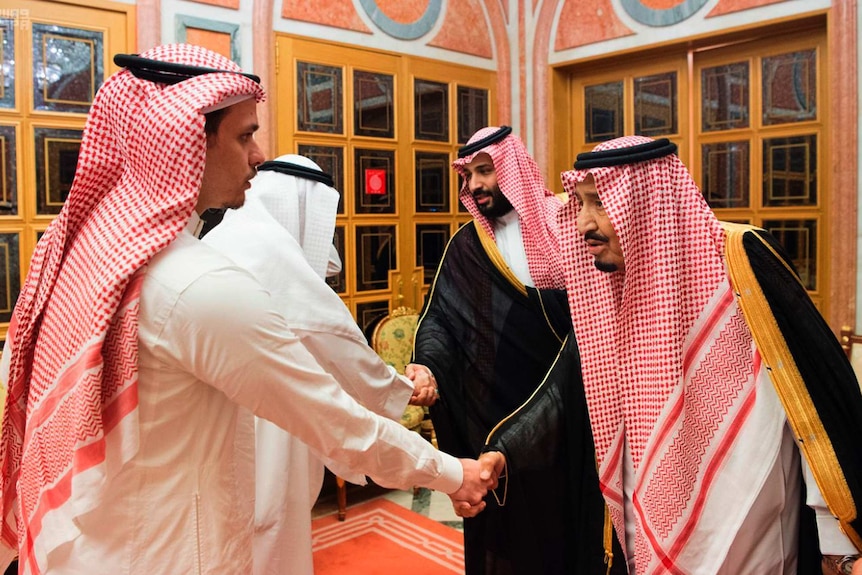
[[839, 564]]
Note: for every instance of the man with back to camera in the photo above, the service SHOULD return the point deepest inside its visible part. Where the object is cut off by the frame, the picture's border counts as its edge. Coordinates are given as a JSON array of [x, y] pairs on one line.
[[137, 355], [496, 319], [708, 371], [283, 236]]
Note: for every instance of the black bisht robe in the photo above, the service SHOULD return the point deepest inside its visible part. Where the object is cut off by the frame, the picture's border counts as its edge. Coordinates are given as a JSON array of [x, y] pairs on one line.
[[823, 390], [490, 345]]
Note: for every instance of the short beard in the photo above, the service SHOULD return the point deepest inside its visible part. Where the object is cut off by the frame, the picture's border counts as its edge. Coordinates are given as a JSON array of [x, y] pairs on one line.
[[495, 212], [606, 267], [498, 209]]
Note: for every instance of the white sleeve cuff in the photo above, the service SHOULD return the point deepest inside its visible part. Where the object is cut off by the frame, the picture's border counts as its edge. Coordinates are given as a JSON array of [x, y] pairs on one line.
[[452, 476], [832, 539]]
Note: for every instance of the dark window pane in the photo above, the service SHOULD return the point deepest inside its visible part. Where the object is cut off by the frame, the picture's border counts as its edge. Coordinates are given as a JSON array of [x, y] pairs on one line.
[[68, 67], [375, 181], [369, 314], [603, 106], [799, 238], [372, 94], [431, 102], [790, 171], [375, 256], [472, 112], [790, 87], [56, 159], [725, 174], [338, 282], [8, 171], [319, 98], [656, 104], [432, 182], [10, 272], [431, 240], [331, 160], [7, 62], [724, 97], [461, 207]]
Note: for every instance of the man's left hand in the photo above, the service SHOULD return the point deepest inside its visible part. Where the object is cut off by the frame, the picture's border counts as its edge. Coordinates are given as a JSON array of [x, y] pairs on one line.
[[424, 384]]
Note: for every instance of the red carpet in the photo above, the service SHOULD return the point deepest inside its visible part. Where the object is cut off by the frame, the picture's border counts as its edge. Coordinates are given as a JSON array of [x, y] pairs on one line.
[[382, 538]]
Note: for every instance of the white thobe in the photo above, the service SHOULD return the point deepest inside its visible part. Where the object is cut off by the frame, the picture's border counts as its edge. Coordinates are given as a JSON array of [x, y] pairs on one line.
[[212, 352], [289, 475], [510, 242]]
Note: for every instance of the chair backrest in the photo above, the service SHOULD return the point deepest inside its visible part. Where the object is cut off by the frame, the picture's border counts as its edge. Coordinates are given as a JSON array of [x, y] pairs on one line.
[[392, 338]]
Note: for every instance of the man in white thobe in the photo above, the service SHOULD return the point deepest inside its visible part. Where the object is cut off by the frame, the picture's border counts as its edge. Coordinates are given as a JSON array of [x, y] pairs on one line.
[[283, 236]]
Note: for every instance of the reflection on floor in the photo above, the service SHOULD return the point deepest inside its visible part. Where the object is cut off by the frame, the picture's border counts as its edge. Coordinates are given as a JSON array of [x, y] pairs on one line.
[[432, 504]]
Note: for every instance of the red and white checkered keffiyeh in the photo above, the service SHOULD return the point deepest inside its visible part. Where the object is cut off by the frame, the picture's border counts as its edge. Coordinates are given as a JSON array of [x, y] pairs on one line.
[[668, 363], [71, 413], [519, 180]]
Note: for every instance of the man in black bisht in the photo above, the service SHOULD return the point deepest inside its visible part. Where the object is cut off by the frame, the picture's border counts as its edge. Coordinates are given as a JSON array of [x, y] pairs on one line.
[[495, 321]]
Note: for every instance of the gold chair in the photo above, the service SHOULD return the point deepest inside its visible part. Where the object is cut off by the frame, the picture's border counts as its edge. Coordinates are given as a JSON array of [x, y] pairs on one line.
[[392, 339]]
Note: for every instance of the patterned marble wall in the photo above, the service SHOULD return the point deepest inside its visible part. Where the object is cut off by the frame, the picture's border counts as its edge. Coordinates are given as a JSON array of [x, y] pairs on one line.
[[478, 33], [338, 14], [587, 28], [462, 27]]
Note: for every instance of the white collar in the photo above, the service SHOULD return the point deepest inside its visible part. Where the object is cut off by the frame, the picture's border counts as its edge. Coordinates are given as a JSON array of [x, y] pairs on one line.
[[195, 224], [508, 218]]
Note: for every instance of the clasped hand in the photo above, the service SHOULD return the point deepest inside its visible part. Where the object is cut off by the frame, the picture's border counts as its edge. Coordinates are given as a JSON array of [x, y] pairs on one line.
[[479, 476], [425, 391]]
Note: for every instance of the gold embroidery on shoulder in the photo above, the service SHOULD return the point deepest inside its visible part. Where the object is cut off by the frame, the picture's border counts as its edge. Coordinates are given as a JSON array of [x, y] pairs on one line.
[[784, 374]]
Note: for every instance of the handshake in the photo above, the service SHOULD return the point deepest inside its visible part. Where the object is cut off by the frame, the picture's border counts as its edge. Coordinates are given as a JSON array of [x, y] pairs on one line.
[[479, 476]]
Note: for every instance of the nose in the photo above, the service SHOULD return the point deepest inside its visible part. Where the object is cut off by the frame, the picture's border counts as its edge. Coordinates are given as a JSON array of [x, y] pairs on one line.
[[474, 184], [255, 156], [585, 221]]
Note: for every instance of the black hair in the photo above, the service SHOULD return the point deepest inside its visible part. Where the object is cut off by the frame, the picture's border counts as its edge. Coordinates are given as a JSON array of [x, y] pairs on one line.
[[213, 121]]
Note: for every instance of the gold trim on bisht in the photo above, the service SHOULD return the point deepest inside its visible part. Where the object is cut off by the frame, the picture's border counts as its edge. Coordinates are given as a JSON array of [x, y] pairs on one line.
[[784, 374], [497, 258], [608, 539]]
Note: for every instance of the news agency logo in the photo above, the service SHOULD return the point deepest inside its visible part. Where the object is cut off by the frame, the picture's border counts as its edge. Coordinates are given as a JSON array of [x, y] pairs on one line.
[[20, 17]]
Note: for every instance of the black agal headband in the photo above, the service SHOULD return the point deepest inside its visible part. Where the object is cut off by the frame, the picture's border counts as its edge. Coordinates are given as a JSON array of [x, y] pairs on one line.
[[291, 169], [630, 155], [486, 141], [168, 72]]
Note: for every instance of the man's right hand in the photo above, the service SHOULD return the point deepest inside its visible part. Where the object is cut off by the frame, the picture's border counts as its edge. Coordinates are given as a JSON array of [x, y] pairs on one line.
[[479, 477]]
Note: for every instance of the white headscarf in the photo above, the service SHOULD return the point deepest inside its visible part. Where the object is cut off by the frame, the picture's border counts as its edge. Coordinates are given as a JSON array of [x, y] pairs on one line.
[[306, 208], [296, 217]]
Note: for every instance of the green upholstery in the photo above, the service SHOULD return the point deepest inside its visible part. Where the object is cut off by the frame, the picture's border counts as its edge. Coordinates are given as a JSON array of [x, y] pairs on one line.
[[393, 337], [393, 341]]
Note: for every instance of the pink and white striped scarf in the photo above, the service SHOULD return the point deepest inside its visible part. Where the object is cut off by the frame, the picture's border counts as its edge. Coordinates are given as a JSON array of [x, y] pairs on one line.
[[71, 413], [669, 365], [519, 180]]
